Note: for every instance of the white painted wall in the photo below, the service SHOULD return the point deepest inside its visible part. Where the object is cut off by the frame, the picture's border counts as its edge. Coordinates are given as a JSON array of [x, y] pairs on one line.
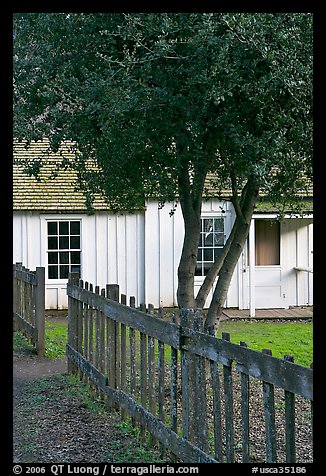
[[141, 253], [275, 286], [27, 239], [282, 286], [112, 251], [297, 251], [163, 246]]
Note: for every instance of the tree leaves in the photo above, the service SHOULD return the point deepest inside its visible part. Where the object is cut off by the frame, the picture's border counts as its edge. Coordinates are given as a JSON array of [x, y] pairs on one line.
[[126, 87]]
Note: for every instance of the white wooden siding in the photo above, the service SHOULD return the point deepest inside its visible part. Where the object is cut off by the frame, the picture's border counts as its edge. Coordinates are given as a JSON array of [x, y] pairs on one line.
[[112, 251], [141, 253], [27, 239], [297, 248], [163, 246]]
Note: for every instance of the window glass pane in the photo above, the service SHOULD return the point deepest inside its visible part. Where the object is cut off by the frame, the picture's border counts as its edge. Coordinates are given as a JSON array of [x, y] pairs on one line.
[[65, 237], [63, 242], [63, 228], [217, 252], [75, 228], [53, 272], [52, 243], [52, 228], [208, 254], [208, 225], [219, 239], [208, 241], [53, 258], [74, 242], [64, 257], [219, 225], [64, 271], [206, 267], [75, 257], [199, 270]]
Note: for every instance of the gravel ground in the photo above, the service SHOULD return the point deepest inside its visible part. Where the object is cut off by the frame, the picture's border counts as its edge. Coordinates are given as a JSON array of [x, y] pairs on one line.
[[304, 447], [52, 423]]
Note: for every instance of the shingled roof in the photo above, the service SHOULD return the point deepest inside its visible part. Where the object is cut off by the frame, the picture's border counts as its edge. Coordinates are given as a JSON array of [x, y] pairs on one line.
[[47, 193], [59, 194]]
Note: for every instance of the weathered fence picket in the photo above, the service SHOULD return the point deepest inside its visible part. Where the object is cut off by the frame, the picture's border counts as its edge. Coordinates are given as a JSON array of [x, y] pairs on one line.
[[228, 400], [29, 304], [215, 379], [180, 384], [245, 413], [269, 409]]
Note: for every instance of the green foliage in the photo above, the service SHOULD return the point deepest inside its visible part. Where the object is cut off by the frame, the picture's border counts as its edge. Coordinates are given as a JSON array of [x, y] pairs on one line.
[[157, 101], [157, 98], [131, 454], [86, 395]]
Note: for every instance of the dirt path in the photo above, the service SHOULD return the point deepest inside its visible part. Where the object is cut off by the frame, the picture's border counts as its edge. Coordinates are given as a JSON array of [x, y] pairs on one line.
[[26, 370], [56, 420]]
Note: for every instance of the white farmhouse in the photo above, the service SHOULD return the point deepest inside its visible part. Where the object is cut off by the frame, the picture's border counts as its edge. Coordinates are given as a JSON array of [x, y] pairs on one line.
[[140, 250]]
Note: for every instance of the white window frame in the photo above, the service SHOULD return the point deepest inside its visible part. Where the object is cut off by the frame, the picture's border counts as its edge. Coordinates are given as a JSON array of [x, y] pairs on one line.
[[210, 217], [45, 250]]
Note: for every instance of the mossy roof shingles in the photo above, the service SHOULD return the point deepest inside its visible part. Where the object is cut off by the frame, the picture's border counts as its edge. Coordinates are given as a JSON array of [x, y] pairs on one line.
[[59, 194], [47, 193]]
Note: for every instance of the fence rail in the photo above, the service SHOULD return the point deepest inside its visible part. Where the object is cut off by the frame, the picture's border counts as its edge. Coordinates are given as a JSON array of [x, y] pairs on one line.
[[205, 399], [29, 304]]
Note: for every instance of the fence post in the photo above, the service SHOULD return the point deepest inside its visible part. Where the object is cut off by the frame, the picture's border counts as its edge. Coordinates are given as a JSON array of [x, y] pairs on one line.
[[269, 411], [228, 405], [72, 321], [191, 377], [39, 310], [289, 399]]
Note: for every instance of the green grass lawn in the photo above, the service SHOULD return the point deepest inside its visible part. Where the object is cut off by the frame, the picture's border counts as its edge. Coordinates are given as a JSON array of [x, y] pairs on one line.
[[283, 338], [56, 337], [294, 338]]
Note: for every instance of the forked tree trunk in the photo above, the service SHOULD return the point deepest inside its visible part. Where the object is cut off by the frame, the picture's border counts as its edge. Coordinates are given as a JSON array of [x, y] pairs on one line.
[[241, 231], [224, 280]]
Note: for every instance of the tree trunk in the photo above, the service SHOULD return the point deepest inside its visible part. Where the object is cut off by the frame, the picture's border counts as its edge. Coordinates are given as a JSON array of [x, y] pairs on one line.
[[188, 260], [190, 186], [241, 231]]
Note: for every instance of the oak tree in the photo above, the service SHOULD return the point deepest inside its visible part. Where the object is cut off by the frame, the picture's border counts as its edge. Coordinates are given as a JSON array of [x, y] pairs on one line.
[[165, 104]]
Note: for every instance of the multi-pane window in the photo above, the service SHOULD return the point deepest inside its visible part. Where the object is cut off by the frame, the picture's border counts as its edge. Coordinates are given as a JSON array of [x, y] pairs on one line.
[[211, 243], [63, 248]]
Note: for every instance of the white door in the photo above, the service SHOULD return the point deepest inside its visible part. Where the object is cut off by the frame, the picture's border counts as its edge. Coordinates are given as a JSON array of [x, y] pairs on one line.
[[267, 272]]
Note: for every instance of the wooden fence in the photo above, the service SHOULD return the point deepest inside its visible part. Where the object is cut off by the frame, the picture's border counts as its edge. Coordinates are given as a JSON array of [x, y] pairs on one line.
[[204, 399], [29, 304]]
